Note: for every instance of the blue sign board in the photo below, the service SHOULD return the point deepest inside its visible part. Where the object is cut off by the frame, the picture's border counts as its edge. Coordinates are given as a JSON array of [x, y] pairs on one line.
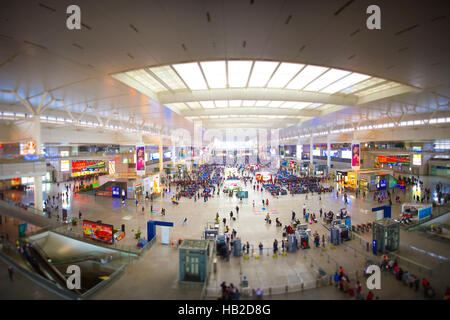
[[423, 213], [116, 192]]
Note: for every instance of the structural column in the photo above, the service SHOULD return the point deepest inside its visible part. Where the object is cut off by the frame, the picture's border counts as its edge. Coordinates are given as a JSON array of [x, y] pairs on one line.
[[160, 155], [311, 147], [38, 201], [328, 153]]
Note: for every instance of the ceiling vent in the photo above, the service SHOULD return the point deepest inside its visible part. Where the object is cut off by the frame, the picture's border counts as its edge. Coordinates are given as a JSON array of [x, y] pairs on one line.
[[77, 45], [288, 19], [354, 32], [134, 28], [343, 7], [406, 30], [46, 7], [35, 44]]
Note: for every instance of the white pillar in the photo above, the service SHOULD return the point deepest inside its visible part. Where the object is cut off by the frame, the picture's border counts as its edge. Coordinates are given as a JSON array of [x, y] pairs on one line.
[[311, 147], [160, 155], [328, 153], [37, 179]]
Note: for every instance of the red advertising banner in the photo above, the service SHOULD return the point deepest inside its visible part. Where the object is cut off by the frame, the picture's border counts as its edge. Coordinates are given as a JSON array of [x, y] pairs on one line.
[[382, 159], [98, 231]]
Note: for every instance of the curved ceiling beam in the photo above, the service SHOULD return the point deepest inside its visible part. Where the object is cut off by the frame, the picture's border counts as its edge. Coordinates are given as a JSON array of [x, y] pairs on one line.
[[255, 94], [251, 111]]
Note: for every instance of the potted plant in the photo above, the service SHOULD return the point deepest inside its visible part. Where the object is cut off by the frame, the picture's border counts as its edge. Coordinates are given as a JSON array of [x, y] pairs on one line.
[[137, 235], [74, 221]]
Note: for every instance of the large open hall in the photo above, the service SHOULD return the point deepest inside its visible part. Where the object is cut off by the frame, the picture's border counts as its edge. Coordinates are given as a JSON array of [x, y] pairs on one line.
[[224, 153]]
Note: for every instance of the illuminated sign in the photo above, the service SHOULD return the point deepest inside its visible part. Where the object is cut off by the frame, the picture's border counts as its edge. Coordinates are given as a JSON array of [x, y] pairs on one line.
[[65, 166], [417, 159], [355, 155], [64, 153], [316, 152], [346, 154], [98, 231], [140, 159]]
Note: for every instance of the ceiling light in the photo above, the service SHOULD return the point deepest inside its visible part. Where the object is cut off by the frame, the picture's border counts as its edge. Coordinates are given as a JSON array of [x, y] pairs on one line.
[[215, 73], [308, 74], [261, 73], [326, 79], [346, 82], [192, 75], [169, 77], [284, 73], [207, 104], [238, 72]]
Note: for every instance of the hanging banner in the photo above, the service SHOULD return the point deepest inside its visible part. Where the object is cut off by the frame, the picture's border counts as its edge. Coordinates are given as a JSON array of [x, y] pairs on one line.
[[355, 156], [140, 159]]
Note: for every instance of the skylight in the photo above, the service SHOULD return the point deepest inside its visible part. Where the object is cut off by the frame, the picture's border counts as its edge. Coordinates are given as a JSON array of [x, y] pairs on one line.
[[308, 74], [261, 73], [345, 82], [326, 79], [169, 77], [215, 73], [238, 73], [285, 72], [192, 75]]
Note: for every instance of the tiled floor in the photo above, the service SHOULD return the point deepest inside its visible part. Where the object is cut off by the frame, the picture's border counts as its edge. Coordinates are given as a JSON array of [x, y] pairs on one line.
[[155, 274]]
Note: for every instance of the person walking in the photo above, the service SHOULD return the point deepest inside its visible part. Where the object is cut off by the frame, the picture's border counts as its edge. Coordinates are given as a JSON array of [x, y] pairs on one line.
[[11, 273], [237, 209], [184, 221]]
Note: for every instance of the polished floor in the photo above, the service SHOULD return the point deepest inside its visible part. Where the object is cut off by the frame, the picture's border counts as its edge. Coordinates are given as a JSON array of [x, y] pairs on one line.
[[154, 275]]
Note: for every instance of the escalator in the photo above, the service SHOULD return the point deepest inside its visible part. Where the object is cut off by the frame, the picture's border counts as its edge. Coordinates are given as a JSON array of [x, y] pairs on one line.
[[43, 267]]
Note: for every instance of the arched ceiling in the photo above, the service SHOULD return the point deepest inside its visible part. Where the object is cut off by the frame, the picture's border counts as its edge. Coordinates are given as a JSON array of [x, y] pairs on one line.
[[39, 54]]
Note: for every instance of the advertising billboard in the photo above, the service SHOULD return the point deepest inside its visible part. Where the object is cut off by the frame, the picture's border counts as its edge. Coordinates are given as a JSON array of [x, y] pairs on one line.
[[417, 159], [140, 159], [98, 231], [65, 166], [346, 154], [355, 155]]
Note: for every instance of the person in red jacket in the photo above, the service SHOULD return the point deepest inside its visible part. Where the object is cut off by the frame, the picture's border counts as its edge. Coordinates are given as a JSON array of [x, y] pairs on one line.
[[370, 296]]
